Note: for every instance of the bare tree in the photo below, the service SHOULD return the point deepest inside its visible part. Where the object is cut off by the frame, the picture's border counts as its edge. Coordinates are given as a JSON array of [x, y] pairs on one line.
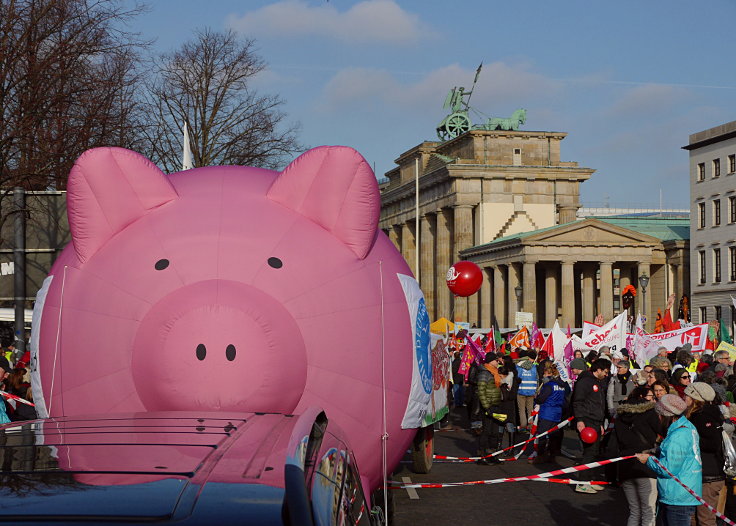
[[207, 84], [68, 82]]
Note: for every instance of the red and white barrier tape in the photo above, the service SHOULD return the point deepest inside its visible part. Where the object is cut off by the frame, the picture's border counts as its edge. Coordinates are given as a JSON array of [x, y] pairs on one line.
[[530, 439], [543, 476], [17, 398], [496, 481], [691, 492]]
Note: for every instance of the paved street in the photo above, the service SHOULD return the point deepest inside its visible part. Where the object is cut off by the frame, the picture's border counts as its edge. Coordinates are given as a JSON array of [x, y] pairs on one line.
[[503, 504]]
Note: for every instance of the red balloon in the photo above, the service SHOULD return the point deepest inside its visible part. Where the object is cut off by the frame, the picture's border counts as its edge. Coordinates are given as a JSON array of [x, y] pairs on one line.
[[588, 435], [464, 278]]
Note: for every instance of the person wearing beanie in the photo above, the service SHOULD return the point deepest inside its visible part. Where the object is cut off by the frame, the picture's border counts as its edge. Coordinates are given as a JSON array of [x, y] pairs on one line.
[[578, 365], [676, 505], [706, 416]]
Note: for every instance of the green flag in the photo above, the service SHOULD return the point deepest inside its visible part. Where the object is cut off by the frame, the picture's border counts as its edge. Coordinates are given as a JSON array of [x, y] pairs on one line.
[[725, 337]]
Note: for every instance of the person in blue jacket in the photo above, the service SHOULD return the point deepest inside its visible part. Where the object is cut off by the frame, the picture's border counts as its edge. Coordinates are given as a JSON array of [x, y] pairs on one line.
[[680, 454], [551, 400]]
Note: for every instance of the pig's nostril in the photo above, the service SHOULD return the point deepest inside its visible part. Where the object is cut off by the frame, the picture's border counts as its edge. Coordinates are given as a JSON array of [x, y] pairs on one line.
[[201, 351], [230, 352]]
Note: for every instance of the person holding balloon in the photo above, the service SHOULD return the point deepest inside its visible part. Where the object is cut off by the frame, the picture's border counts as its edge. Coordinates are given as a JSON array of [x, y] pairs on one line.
[[589, 410]]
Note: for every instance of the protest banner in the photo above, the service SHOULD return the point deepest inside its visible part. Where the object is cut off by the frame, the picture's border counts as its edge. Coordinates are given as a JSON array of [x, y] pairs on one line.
[[695, 336], [731, 349], [612, 334]]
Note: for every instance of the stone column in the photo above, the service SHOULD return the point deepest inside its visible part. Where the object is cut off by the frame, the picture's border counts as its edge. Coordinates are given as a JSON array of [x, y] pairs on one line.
[[644, 304], [394, 234], [550, 295], [408, 245], [568, 294], [529, 296], [426, 263], [513, 305], [624, 279], [588, 293], [443, 248], [568, 213], [462, 239], [499, 296], [677, 278], [606, 290], [485, 298]]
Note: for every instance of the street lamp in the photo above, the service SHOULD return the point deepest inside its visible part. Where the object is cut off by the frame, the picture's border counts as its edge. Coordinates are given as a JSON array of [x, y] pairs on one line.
[[518, 290], [644, 281]]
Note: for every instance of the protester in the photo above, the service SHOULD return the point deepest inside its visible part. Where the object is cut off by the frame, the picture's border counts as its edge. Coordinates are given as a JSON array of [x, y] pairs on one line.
[[661, 362], [458, 381], [706, 416], [685, 360], [676, 504], [551, 401], [490, 398], [589, 409], [637, 429], [528, 381], [722, 357], [661, 388], [680, 380], [577, 366], [506, 418], [619, 387], [4, 373]]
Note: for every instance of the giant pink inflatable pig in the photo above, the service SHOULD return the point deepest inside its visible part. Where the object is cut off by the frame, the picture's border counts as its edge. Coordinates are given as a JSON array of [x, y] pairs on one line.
[[228, 288]]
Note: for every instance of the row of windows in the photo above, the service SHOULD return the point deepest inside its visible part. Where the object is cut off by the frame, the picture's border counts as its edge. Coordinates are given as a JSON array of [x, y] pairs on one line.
[[716, 265], [715, 168], [718, 311], [716, 212]]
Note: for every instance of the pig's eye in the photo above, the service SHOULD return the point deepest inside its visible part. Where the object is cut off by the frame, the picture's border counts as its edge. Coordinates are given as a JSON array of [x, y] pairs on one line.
[[275, 262], [161, 264], [230, 352], [201, 352]]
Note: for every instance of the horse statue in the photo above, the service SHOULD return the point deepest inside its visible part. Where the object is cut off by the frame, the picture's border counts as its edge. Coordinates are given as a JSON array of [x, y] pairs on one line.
[[510, 123]]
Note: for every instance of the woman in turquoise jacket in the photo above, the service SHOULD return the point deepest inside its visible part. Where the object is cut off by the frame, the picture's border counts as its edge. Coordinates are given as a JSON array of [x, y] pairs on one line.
[[680, 454]]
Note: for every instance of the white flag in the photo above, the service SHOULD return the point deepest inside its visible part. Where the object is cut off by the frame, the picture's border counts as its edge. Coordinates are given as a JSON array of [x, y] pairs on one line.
[[187, 163]]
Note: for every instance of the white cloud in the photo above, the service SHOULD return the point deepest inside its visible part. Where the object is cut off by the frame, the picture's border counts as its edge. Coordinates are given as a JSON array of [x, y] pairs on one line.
[[368, 21], [500, 88], [649, 100]]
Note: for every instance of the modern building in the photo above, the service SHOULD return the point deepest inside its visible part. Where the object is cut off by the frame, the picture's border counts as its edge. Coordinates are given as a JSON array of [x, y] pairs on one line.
[[505, 200], [713, 222]]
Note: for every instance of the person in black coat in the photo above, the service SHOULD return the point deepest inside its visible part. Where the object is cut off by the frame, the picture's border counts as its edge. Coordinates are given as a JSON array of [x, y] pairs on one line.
[[637, 429]]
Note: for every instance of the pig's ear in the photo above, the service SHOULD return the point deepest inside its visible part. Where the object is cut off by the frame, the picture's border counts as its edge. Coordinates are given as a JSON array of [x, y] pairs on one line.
[[108, 189], [335, 187]]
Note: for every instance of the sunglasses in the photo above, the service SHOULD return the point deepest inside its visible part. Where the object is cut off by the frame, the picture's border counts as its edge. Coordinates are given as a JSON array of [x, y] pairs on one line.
[[685, 377]]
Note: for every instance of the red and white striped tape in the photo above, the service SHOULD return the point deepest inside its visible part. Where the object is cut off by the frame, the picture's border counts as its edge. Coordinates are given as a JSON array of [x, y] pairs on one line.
[[496, 481], [530, 439], [691, 492], [544, 476], [17, 398]]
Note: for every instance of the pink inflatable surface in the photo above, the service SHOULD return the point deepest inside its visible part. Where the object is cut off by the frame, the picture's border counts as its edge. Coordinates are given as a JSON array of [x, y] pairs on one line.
[[228, 289]]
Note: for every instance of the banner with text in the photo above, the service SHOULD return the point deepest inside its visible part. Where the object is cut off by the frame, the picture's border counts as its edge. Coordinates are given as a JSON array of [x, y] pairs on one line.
[[612, 334]]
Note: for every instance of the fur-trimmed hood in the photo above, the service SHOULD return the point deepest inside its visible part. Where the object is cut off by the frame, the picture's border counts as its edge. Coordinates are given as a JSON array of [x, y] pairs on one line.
[[634, 409]]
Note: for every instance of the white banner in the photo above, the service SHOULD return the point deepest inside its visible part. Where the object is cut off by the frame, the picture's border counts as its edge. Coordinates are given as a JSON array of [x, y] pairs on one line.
[[612, 334], [695, 336], [421, 376], [644, 347]]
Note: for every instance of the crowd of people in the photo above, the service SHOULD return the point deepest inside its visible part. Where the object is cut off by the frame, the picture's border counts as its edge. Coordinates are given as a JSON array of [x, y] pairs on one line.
[[672, 414], [15, 381]]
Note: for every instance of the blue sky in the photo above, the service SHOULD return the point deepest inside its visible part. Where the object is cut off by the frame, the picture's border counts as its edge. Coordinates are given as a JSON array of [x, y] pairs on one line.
[[628, 81]]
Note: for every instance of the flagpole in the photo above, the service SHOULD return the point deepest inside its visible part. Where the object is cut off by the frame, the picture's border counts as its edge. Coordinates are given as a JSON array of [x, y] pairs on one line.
[[416, 219]]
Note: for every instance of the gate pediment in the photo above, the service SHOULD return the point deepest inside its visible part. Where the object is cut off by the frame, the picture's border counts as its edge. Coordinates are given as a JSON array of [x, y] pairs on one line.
[[591, 231]]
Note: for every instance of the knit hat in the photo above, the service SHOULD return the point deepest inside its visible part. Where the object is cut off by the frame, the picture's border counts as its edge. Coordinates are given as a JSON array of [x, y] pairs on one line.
[[578, 363], [670, 405], [700, 391]]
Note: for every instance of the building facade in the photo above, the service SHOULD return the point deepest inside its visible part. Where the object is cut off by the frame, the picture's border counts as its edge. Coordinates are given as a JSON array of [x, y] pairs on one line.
[[506, 201], [713, 222]]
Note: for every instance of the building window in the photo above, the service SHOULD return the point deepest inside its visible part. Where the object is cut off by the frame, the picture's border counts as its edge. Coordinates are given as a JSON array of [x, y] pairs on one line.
[[732, 262], [733, 313], [716, 167], [718, 312], [732, 209], [703, 315], [701, 171], [732, 163], [701, 265], [716, 265], [716, 212], [517, 156], [701, 215]]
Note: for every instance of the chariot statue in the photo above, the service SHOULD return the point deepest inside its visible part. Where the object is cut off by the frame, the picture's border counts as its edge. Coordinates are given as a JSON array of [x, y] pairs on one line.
[[458, 120]]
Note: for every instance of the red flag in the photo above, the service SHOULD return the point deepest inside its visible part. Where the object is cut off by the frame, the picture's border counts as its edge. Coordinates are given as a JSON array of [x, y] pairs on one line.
[[521, 338], [490, 343], [548, 346], [667, 324]]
